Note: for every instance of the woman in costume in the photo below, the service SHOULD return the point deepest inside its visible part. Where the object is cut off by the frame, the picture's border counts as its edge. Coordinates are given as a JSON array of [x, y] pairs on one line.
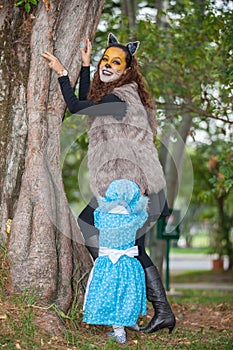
[[116, 292], [120, 147]]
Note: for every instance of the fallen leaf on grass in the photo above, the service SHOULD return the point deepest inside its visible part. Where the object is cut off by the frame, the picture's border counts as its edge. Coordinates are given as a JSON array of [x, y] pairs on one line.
[[220, 305], [3, 317], [185, 342]]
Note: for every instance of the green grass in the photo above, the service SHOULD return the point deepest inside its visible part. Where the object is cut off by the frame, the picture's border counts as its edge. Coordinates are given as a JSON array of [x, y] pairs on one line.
[[203, 276], [204, 321], [176, 250], [19, 328], [207, 297]]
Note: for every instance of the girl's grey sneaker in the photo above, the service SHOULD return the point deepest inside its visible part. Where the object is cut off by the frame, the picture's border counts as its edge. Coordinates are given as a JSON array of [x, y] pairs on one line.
[[118, 338]]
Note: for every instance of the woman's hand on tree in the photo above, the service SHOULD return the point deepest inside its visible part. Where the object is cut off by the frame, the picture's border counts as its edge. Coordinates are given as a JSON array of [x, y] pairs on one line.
[[86, 53], [54, 62]]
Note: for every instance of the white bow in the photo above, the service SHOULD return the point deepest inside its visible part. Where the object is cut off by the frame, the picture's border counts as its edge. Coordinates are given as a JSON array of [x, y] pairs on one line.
[[115, 254]]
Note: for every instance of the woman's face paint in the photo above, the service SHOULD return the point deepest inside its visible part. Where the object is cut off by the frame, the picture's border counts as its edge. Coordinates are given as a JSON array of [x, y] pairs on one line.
[[112, 65]]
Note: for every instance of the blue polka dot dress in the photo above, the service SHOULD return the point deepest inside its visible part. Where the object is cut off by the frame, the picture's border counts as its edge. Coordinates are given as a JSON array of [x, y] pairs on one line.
[[116, 294]]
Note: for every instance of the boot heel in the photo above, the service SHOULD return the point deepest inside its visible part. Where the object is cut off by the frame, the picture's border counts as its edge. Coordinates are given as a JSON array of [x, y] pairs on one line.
[[171, 329], [163, 316]]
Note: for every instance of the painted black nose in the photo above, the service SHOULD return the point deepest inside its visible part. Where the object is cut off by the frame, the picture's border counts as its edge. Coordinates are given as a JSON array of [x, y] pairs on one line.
[[107, 65]]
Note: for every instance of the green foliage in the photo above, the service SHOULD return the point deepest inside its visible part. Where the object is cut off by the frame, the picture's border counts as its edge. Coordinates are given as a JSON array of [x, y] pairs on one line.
[[27, 4], [213, 169], [185, 65], [222, 171], [213, 185]]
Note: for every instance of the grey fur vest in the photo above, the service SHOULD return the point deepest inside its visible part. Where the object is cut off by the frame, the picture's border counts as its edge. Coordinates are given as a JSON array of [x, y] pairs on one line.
[[124, 149]]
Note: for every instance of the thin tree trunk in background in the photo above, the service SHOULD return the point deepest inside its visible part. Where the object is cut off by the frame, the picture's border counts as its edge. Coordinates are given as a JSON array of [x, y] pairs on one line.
[[224, 224], [129, 10], [46, 251], [175, 160], [173, 168], [157, 246], [161, 17]]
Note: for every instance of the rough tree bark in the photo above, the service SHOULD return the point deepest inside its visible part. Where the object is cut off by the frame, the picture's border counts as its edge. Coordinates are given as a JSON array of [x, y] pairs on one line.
[[46, 253], [14, 67]]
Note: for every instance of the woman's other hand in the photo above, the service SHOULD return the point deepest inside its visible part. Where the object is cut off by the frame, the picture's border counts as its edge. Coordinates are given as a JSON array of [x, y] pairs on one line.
[[86, 53]]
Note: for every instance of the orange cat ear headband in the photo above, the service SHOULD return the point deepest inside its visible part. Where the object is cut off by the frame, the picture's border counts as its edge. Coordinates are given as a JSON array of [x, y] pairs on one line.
[[131, 46]]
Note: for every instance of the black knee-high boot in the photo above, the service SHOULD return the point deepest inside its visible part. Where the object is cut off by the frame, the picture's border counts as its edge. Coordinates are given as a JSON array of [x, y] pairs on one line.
[[89, 231], [163, 317], [92, 244]]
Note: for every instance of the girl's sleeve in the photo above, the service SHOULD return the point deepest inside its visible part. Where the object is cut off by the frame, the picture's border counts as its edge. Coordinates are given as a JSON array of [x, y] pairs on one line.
[[109, 105]]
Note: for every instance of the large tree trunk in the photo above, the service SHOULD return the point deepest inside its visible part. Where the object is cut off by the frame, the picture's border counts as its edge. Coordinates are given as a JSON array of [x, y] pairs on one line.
[[46, 251], [14, 67]]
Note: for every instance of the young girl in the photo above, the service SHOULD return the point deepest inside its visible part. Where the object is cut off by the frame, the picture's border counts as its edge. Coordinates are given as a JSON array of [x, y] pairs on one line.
[[116, 292]]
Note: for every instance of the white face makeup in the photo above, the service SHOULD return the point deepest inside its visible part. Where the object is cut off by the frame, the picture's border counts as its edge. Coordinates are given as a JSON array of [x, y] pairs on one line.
[[112, 65]]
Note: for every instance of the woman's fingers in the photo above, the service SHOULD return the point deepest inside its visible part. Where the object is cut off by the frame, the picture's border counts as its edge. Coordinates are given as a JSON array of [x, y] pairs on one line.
[[46, 55], [89, 46], [86, 52], [49, 56], [54, 62]]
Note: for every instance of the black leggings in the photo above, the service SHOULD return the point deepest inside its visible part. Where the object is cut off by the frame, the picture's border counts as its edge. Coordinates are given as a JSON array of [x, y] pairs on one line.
[[91, 233]]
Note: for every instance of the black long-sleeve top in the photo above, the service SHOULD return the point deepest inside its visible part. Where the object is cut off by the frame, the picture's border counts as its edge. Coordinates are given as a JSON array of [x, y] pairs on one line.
[[109, 105]]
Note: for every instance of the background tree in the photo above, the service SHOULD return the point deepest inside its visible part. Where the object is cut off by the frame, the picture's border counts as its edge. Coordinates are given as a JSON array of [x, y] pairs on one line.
[[46, 253], [213, 185]]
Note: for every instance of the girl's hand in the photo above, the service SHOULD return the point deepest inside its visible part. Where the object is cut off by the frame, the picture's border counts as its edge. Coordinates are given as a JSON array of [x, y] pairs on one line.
[[54, 62], [86, 53]]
